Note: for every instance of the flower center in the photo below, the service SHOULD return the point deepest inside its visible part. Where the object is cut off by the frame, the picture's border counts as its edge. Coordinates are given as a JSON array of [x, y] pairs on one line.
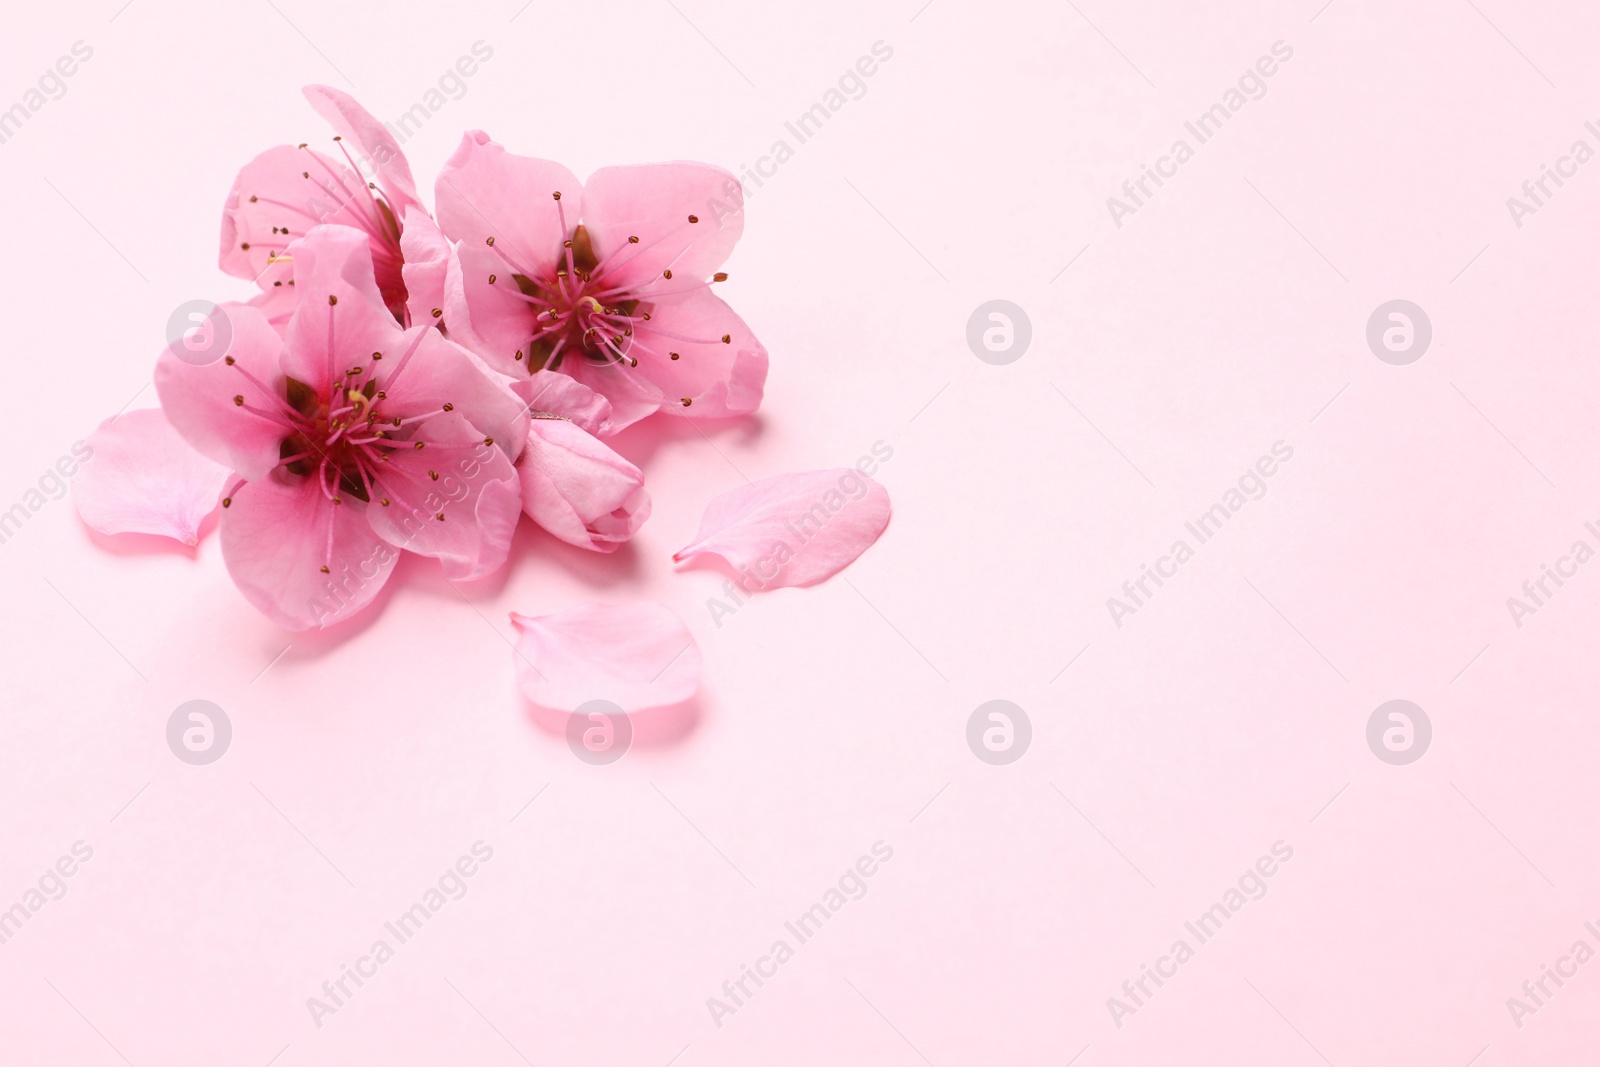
[[578, 310], [344, 435], [581, 307]]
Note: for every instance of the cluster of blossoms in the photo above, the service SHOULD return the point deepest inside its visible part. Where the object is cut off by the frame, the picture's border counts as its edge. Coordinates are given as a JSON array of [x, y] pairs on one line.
[[416, 381]]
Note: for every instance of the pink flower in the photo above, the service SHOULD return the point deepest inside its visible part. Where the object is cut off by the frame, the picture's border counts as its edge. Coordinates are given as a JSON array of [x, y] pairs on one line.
[[609, 282], [579, 489], [351, 438], [573, 485], [286, 190]]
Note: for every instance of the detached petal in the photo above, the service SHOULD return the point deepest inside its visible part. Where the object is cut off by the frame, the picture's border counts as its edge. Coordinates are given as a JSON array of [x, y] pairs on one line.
[[485, 191], [793, 529], [230, 410], [301, 559], [655, 203], [145, 478], [579, 489], [456, 499], [371, 140], [637, 656]]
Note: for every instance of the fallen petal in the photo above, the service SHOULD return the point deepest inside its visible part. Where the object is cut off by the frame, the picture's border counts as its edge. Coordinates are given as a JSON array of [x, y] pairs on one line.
[[637, 656], [793, 529], [145, 478]]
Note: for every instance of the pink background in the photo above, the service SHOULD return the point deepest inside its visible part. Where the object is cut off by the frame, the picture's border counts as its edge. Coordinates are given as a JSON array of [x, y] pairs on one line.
[[1226, 715]]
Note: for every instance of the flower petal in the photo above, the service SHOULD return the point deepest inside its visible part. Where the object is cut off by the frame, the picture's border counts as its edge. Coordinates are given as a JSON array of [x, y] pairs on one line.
[[427, 258], [552, 393], [719, 379], [228, 408], [371, 139], [145, 478], [487, 317], [439, 372], [270, 204], [793, 529], [457, 500], [632, 397], [578, 488], [341, 317], [637, 656], [485, 191], [302, 560], [655, 202]]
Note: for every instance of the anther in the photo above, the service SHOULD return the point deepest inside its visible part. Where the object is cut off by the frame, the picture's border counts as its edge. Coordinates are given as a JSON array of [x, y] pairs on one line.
[[720, 276], [449, 407], [694, 218], [437, 312], [245, 246], [674, 355], [491, 279], [519, 354], [384, 501], [229, 360], [434, 475], [667, 274], [633, 240], [488, 440], [556, 194], [489, 241], [440, 516], [324, 569], [687, 401], [727, 338], [238, 401], [419, 446], [332, 300], [227, 501]]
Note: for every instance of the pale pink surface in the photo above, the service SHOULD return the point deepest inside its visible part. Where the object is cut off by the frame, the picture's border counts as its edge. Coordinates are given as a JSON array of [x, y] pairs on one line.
[[1194, 737]]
